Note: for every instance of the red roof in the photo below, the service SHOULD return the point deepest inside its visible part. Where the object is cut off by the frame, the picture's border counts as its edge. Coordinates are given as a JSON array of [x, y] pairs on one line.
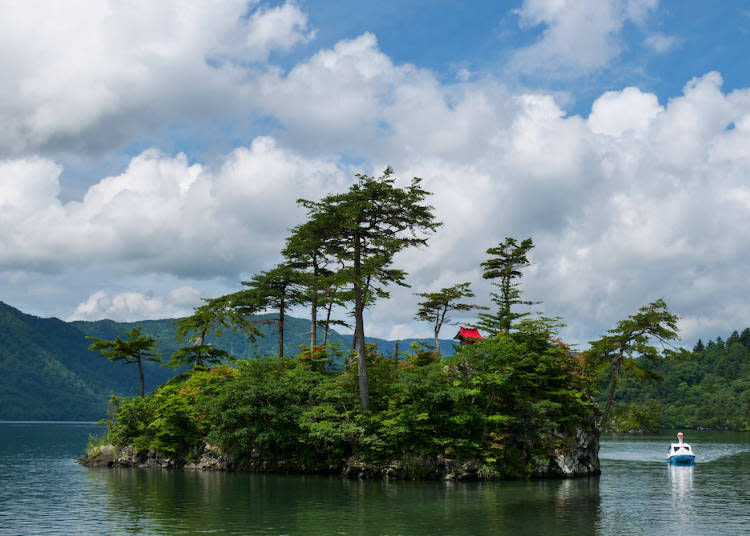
[[468, 333]]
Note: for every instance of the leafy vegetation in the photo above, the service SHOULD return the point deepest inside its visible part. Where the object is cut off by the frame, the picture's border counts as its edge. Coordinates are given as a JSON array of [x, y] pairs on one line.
[[135, 349], [364, 228], [435, 306], [706, 388], [48, 373], [504, 264], [506, 403]]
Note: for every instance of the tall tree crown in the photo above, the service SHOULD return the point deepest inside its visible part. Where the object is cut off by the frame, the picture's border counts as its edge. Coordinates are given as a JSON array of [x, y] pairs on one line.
[[505, 264]]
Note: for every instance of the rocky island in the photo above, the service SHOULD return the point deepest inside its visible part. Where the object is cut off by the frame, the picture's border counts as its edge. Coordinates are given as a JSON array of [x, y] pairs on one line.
[[516, 406]]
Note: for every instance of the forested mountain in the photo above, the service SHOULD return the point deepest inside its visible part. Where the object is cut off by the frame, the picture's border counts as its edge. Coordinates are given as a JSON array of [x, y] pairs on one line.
[[709, 388], [48, 373]]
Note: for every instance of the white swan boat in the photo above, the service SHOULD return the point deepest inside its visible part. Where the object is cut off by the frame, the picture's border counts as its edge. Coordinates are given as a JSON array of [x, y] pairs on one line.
[[680, 453]]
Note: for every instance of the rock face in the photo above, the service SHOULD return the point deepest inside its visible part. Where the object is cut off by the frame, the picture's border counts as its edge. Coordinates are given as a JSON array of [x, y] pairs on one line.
[[580, 458]]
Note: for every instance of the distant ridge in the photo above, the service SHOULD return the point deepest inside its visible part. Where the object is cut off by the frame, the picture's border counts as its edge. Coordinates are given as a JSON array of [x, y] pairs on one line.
[[48, 373]]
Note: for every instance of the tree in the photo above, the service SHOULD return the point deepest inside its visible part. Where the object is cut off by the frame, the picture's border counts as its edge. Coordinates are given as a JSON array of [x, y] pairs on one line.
[[332, 295], [135, 349], [436, 305], [305, 251], [212, 318], [505, 263], [368, 225], [278, 288], [612, 355]]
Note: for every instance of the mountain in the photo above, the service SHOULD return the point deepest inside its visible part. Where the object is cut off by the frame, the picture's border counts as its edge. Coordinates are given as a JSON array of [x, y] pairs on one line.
[[48, 373]]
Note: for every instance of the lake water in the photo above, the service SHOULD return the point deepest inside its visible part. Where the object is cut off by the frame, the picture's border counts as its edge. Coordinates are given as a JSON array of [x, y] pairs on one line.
[[42, 491]]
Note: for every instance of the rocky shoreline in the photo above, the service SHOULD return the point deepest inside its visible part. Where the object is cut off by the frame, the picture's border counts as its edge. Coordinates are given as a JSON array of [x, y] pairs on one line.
[[580, 460]]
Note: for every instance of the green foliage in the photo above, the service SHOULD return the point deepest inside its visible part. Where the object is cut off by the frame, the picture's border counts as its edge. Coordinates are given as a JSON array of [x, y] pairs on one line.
[[95, 443], [436, 306], [613, 355], [172, 419], [211, 318], [505, 264], [136, 348], [708, 388], [365, 228], [278, 288], [506, 403], [48, 373]]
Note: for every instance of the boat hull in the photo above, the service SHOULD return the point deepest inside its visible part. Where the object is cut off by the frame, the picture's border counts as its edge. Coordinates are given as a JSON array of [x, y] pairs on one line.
[[682, 459]]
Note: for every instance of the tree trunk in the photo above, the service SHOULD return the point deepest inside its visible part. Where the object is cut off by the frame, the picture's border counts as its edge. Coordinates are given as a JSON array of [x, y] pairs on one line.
[[359, 330], [395, 356], [438, 326], [314, 323], [201, 340], [281, 328], [314, 310], [611, 395], [140, 373], [328, 322]]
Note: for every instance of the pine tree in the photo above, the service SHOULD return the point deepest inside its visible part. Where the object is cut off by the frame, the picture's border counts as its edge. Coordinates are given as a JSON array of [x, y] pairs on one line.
[[436, 306], [505, 263], [612, 354], [277, 289], [134, 349], [212, 318], [367, 226]]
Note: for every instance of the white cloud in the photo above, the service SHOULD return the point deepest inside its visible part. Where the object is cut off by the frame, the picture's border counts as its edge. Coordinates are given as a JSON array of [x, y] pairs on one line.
[[278, 28], [638, 201], [579, 36], [660, 43], [132, 306], [616, 112], [83, 77], [162, 214]]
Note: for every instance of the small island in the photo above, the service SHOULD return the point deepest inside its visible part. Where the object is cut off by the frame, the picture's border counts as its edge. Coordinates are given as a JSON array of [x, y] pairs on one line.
[[516, 402]]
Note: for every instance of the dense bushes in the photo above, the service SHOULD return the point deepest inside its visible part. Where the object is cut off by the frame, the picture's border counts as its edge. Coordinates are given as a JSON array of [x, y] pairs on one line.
[[506, 403]]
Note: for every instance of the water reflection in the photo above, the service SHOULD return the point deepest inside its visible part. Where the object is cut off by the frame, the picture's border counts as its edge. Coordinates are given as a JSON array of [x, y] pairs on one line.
[[681, 480], [162, 502], [680, 501]]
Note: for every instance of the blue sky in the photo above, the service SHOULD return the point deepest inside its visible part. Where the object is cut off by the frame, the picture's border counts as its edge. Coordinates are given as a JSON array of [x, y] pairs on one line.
[[152, 152]]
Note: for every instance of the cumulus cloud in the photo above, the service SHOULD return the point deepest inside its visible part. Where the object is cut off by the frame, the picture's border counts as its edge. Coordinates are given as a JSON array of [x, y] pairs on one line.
[[84, 77], [162, 214], [579, 35], [132, 306], [639, 200], [278, 28]]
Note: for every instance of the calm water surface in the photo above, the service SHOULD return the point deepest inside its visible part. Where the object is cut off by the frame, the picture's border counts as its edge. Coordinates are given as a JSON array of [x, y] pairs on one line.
[[42, 491]]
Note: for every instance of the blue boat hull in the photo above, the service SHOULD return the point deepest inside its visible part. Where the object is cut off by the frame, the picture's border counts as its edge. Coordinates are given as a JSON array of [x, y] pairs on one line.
[[682, 460]]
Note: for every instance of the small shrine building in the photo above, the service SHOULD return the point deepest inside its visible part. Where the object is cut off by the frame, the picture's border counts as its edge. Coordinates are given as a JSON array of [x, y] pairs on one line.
[[468, 335]]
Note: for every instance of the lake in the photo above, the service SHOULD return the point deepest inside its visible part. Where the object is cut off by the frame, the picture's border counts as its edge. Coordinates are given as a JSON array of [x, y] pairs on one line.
[[42, 491]]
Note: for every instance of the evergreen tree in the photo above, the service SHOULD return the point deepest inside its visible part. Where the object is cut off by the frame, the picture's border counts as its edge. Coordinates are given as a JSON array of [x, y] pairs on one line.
[[745, 337], [612, 355], [368, 225], [436, 306], [699, 346], [733, 338], [134, 349], [505, 263], [276, 289], [211, 318], [305, 251]]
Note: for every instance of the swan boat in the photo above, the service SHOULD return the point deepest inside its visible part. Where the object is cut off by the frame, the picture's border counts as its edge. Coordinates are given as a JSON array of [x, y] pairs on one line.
[[680, 453]]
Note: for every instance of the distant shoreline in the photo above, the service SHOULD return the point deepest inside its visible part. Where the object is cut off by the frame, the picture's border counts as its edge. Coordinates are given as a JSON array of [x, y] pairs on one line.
[[93, 423]]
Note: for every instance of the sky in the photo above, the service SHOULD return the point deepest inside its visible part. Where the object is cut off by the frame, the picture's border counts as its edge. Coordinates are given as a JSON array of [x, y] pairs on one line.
[[151, 153]]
